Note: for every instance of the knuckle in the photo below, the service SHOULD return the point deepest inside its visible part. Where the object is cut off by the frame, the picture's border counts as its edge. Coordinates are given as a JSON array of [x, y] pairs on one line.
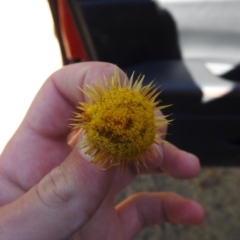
[[55, 189]]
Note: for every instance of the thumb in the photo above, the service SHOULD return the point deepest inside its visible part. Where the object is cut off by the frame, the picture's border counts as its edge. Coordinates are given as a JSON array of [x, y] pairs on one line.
[[63, 201]]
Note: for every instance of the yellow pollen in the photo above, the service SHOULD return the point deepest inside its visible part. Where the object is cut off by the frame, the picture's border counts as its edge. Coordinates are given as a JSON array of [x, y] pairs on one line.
[[121, 123]]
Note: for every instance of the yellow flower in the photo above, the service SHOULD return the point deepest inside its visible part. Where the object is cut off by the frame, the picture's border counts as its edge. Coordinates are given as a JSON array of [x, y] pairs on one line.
[[119, 123]]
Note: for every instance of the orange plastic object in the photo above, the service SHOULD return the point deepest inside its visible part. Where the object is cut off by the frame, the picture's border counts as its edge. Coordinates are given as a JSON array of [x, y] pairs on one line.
[[72, 41]]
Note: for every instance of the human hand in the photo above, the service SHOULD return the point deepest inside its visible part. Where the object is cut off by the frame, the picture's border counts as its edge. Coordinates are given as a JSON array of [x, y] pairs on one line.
[[49, 191]]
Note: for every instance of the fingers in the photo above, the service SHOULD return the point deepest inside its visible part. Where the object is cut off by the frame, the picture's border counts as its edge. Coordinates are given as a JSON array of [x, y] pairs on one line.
[[145, 209], [178, 163], [54, 104], [40, 144], [169, 159], [9, 191], [62, 202], [173, 161]]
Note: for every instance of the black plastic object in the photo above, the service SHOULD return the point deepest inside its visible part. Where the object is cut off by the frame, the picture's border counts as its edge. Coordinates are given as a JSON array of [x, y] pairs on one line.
[[125, 32], [140, 36], [211, 130], [233, 75]]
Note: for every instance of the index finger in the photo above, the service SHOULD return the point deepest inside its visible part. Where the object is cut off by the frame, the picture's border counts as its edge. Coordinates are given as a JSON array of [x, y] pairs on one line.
[[51, 110], [40, 143]]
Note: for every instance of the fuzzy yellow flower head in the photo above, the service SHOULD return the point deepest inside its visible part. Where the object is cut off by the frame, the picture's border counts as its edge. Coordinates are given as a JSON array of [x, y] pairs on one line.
[[119, 123]]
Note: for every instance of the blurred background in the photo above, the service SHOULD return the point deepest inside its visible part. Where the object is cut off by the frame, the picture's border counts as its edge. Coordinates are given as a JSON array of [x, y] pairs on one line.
[[198, 69], [29, 53]]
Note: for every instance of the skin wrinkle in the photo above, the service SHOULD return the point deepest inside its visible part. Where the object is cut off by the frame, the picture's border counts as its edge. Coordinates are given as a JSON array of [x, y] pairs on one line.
[[71, 105], [92, 177], [66, 205], [40, 196], [92, 190], [68, 100], [50, 215], [53, 183], [165, 204], [142, 214], [102, 215], [36, 129], [132, 205], [164, 207], [12, 192], [5, 175], [61, 138], [59, 178], [38, 174], [13, 179]]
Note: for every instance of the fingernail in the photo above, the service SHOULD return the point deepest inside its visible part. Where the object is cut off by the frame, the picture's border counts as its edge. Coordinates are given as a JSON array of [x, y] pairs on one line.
[[159, 150], [82, 151]]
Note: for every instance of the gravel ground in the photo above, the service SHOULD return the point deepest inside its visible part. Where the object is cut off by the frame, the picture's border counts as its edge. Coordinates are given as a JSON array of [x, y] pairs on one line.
[[215, 188]]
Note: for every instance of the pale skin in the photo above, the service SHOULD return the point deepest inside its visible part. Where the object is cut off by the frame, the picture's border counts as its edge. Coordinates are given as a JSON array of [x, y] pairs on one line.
[[48, 190]]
